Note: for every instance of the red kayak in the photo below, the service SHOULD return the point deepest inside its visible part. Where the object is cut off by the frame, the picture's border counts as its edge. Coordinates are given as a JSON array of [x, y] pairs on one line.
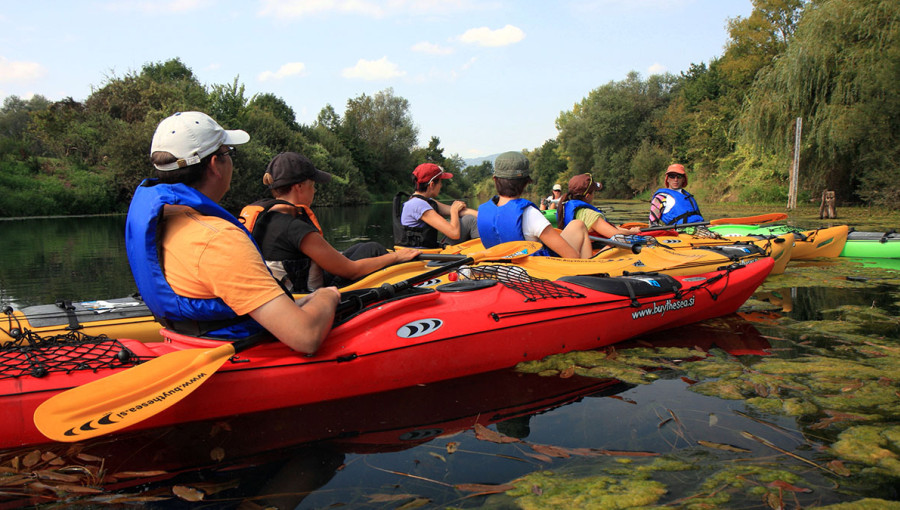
[[417, 337]]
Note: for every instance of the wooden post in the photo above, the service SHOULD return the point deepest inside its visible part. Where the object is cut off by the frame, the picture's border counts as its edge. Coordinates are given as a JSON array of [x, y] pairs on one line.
[[795, 167]]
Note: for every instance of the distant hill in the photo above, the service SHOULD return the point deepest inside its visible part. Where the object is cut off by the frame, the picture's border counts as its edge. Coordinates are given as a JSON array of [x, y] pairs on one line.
[[478, 161]]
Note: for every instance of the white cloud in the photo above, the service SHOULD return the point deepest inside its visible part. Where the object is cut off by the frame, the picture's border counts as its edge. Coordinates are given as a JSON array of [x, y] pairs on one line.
[[289, 69], [656, 68], [484, 36], [431, 48], [20, 71], [370, 70], [281, 9]]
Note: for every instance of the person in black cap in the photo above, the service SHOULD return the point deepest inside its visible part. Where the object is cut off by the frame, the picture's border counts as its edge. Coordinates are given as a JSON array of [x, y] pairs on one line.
[[291, 239]]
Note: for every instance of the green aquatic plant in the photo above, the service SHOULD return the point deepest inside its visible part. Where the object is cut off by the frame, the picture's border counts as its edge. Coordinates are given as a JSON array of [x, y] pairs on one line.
[[833, 364], [876, 446], [635, 366], [546, 490]]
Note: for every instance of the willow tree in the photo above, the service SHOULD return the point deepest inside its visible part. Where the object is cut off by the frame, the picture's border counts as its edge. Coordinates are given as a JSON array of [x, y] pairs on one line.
[[839, 74]]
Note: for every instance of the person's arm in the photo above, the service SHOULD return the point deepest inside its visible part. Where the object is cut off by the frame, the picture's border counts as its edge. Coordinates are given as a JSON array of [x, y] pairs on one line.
[[445, 210], [448, 228], [607, 230], [302, 327], [328, 258], [657, 206], [553, 240]]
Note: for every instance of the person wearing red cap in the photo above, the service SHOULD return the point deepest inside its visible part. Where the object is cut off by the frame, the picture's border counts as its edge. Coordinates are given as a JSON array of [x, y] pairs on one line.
[[291, 239], [576, 204], [672, 204], [195, 265], [418, 220]]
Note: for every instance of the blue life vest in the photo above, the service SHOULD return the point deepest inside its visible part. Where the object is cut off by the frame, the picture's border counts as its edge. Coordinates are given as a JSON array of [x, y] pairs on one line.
[[685, 210], [143, 228], [570, 207], [504, 224]]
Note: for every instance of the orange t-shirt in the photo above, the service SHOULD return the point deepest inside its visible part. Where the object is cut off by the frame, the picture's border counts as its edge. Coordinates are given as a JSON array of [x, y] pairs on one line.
[[208, 257]]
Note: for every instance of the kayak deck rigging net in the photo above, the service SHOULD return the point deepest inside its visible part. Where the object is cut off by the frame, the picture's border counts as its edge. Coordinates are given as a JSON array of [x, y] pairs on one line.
[[37, 356], [518, 279]]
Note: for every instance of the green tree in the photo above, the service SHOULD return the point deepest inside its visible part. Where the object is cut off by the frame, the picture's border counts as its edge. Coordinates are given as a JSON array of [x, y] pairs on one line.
[[755, 41], [602, 133], [381, 136], [839, 74], [277, 107], [548, 168]]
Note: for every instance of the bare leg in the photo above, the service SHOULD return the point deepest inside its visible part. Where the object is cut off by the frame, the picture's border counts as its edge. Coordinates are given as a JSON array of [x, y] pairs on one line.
[[576, 234]]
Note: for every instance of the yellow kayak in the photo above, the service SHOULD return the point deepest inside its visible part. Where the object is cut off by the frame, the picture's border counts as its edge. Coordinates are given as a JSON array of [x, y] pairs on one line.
[[808, 244], [779, 247], [116, 318], [617, 262]]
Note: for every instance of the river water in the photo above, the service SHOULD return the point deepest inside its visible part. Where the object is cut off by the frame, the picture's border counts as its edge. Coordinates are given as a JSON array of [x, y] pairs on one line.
[[676, 435]]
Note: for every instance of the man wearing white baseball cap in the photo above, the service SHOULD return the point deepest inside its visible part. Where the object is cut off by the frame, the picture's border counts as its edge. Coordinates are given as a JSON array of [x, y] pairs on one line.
[[195, 265]]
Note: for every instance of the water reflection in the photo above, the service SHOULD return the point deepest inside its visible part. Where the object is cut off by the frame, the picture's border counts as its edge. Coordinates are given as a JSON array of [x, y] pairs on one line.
[[83, 258]]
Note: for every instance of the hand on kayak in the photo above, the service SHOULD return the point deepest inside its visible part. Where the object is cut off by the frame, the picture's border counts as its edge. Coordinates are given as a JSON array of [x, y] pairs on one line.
[[406, 254], [322, 292]]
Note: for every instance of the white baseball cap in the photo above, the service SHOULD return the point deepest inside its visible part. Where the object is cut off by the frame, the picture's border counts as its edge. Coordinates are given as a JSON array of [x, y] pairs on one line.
[[190, 137]]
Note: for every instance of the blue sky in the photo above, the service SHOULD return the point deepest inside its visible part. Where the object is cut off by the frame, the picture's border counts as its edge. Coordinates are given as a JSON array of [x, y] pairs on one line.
[[484, 76]]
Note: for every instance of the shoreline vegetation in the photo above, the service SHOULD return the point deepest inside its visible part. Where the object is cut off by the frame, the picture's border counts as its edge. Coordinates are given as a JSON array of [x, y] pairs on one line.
[[859, 217], [731, 121]]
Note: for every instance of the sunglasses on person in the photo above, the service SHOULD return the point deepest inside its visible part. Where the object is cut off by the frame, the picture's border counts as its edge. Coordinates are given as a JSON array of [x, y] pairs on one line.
[[674, 176], [231, 152]]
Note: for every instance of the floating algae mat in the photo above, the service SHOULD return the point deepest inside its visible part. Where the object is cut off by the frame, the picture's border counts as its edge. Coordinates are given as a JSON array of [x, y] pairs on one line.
[[815, 414]]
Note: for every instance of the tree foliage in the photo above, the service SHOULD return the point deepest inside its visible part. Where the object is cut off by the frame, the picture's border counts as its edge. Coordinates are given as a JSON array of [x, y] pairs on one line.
[[604, 131], [91, 155], [730, 121], [839, 75]]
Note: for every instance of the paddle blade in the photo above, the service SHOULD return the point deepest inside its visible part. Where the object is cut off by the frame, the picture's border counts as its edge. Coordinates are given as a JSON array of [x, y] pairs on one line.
[[128, 397]]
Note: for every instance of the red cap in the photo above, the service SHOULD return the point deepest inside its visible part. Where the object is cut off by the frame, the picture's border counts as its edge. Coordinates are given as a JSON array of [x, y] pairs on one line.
[[676, 168], [427, 172]]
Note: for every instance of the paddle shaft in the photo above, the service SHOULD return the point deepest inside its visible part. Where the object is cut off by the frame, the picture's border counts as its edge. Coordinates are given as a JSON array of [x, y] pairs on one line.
[[388, 290], [635, 248], [675, 226]]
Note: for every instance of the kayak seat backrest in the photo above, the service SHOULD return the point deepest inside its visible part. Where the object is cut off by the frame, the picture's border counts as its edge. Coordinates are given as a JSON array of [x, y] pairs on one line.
[[643, 285]]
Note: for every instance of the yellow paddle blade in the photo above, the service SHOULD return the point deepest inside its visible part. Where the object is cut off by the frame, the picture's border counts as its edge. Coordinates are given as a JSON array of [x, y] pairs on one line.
[[128, 397]]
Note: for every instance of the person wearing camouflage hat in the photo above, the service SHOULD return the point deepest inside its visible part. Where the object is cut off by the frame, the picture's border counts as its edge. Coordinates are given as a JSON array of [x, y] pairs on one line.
[[509, 217]]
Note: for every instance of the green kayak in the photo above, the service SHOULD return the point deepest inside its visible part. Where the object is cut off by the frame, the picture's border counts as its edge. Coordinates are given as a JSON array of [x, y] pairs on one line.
[[884, 245], [550, 214]]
